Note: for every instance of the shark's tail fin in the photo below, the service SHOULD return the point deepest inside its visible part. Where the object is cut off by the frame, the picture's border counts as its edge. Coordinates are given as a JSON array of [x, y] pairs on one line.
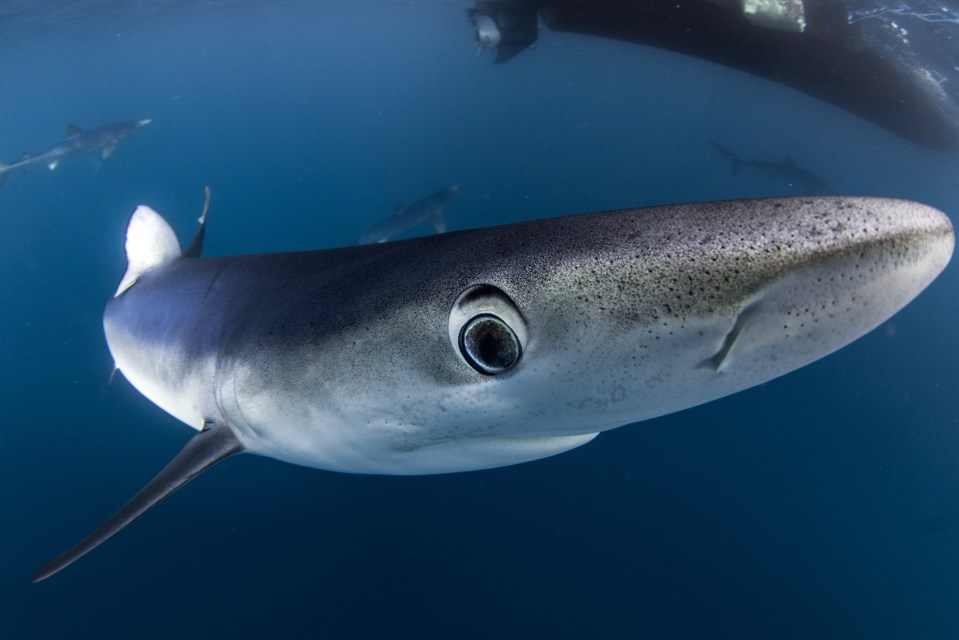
[[151, 243], [734, 160]]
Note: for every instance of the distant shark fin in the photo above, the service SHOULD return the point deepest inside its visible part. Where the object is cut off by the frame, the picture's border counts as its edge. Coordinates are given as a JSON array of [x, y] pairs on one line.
[[213, 443], [107, 150], [151, 243], [196, 245], [73, 130]]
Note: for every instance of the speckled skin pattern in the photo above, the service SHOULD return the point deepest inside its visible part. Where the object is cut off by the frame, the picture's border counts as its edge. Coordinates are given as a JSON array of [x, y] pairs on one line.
[[342, 359]]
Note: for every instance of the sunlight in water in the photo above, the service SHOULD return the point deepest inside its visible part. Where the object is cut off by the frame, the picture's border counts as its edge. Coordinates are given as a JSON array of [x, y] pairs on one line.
[[925, 11]]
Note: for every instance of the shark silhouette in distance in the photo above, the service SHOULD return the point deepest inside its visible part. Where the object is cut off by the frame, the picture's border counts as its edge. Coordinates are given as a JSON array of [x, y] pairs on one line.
[[477, 349], [787, 170], [77, 141], [407, 216]]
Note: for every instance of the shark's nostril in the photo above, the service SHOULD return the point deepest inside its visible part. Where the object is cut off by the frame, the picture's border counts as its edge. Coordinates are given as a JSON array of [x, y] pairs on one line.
[[718, 360]]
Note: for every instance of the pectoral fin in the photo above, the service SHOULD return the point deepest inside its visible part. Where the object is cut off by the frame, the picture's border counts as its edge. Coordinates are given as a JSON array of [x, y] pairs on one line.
[[214, 443], [107, 150], [438, 223]]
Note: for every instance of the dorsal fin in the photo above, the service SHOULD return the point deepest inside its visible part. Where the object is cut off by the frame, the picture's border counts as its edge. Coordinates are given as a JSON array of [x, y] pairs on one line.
[[151, 242], [73, 130], [196, 246], [214, 443]]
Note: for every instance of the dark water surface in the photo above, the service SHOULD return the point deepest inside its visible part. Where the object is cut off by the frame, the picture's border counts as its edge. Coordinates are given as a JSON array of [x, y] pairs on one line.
[[822, 504]]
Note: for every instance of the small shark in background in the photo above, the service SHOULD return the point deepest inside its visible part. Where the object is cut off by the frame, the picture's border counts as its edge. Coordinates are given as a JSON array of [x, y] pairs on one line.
[[77, 141], [407, 216], [787, 170]]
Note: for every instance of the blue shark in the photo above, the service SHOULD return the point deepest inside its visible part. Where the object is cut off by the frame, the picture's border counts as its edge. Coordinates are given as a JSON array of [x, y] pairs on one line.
[[477, 349], [787, 170], [77, 141], [407, 216]]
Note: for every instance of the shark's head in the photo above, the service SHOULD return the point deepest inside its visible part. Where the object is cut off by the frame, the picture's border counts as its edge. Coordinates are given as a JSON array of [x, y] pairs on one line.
[[494, 346], [125, 129], [443, 196]]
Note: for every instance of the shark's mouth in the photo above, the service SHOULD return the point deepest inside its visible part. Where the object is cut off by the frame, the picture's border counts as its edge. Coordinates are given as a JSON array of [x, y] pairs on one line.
[[484, 453]]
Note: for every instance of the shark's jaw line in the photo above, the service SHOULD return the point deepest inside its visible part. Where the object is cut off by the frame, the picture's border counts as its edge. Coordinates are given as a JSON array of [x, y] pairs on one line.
[[477, 349]]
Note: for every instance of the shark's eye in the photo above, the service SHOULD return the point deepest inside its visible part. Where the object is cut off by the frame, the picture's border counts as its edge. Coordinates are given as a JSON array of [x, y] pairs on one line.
[[487, 330], [489, 345]]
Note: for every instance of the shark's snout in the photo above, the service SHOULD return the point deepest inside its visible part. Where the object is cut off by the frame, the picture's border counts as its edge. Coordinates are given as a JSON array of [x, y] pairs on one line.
[[695, 303], [854, 268]]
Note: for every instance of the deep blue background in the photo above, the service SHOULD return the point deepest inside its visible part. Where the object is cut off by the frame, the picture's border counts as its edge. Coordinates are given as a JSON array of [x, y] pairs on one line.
[[823, 504]]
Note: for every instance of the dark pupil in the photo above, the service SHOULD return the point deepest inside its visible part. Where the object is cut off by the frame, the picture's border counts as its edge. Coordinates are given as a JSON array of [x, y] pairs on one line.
[[489, 345]]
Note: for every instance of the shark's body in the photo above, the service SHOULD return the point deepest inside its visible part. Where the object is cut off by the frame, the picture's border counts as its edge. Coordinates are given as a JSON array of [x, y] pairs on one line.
[[489, 347], [407, 216], [77, 141], [787, 170]]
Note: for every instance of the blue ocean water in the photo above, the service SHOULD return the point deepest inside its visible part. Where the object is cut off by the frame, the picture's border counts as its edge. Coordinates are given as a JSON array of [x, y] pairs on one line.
[[822, 504]]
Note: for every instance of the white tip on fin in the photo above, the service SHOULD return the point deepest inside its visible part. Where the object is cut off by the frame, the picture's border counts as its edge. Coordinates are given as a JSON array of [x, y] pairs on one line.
[[151, 243], [53, 165], [206, 204]]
